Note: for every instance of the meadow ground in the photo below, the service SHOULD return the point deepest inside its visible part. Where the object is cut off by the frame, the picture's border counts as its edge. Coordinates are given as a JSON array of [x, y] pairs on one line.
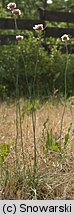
[[54, 178]]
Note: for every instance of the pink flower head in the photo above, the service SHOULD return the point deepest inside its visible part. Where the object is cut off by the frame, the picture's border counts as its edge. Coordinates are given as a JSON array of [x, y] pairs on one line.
[[19, 37], [11, 6], [65, 37], [38, 27], [16, 12]]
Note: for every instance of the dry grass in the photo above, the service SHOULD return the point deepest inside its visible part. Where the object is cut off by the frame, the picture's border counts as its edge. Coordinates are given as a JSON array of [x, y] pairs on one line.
[[55, 171]]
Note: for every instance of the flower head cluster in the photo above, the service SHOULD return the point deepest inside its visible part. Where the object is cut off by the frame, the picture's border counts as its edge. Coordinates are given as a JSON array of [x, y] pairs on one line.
[[38, 27], [16, 12], [19, 37], [12, 6], [65, 37]]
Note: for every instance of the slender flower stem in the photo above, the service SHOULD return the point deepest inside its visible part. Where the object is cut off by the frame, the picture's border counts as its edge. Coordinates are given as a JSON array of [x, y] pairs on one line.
[[15, 24], [17, 95], [34, 135], [34, 111], [32, 97], [21, 52], [35, 72], [65, 90], [18, 111], [21, 133]]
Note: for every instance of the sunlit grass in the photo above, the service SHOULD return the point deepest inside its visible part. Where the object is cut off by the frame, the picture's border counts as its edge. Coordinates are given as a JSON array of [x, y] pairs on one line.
[[54, 165]]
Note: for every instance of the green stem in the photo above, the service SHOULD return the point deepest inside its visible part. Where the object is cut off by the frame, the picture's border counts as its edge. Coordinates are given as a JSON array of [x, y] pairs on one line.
[[35, 71], [15, 24], [21, 52], [21, 134], [34, 136], [18, 111], [34, 111], [65, 91]]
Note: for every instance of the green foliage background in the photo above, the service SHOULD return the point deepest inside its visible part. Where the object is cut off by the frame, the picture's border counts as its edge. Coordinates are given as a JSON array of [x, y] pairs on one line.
[[22, 58]]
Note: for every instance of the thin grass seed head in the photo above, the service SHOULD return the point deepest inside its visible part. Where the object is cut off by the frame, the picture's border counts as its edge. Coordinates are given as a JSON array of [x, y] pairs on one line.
[[19, 37], [11, 6], [65, 38], [38, 27], [16, 12]]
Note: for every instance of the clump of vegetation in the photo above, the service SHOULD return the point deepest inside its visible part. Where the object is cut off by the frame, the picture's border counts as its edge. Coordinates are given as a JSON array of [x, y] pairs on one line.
[[54, 168]]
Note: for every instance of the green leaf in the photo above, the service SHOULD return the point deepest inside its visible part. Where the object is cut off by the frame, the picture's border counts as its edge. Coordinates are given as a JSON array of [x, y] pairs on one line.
[[13, 143], [49, 138], [56, 146], [66, 138], [60, 149], [69, 128], [4, 151], [44, 125]]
